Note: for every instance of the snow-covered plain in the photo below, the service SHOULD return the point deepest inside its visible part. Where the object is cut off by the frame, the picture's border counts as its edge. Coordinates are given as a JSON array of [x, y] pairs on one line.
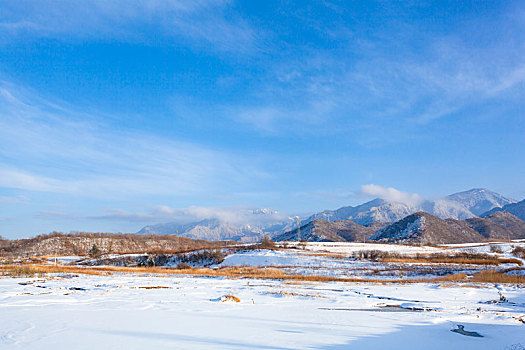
[[121, 312], [137, 311]]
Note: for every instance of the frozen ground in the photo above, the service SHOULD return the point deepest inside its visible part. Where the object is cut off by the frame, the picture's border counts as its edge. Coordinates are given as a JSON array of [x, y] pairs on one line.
[[122, 312]]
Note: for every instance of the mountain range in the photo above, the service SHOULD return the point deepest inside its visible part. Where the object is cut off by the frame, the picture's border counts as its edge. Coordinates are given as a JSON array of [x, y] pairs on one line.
[[248, 227], [517, 209], [424, 228], [464, 214], [462, 205]]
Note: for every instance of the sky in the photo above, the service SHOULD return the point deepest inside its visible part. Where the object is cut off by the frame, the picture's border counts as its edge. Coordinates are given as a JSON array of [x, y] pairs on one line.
[[115, 114]]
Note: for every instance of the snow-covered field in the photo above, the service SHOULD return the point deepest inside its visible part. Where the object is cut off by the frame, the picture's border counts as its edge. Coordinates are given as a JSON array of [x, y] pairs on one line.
[[146, 311], [130, 312]]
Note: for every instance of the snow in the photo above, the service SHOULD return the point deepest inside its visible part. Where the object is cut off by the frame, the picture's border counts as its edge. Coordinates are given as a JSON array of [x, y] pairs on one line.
[[351, 247], [117, 312]]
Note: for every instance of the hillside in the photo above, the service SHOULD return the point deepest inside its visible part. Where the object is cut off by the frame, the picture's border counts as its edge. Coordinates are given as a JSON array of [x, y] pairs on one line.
[[516, 209], [424, 228], [80, 243], [324, 231], [498, 225]]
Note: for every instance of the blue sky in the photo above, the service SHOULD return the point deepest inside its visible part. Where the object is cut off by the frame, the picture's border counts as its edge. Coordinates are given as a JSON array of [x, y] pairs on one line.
[[117, 114]]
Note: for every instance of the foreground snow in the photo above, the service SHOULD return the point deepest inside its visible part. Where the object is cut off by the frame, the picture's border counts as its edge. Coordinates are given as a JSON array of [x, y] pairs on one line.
[[121, 312]]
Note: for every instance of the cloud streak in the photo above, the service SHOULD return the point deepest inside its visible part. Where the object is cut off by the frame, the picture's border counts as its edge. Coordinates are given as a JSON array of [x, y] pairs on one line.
[[47, 148], [236, 215], [199, 22]]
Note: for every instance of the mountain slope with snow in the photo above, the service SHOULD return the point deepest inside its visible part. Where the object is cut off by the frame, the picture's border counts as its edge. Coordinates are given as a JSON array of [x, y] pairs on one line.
[[480, 200], [516, 209], [459, 206], [251, 227], [321, 230], [423, 228]]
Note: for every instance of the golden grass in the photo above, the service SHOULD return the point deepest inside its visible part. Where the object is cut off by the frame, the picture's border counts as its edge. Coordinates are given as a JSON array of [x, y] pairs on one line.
[[17, 271], [230, 297], [32, 270], [490, 276], [453, 260], [487, 276]]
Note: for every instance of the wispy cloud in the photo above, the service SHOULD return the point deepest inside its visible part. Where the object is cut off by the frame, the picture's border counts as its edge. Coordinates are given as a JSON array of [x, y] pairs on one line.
[[162, 213], [47, 148], [367, 86], [19, 199], [193, 22]]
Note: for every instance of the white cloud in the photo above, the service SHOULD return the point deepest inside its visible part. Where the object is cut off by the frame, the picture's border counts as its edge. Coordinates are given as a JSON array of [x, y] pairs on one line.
[[391, 194]]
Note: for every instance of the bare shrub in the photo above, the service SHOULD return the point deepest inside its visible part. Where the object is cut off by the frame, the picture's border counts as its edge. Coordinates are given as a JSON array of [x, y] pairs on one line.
[[203, 257], [495, 249], [183, 266], [519, 252], [18, 271], [94, 250], [456, 258], [267, 243], [374, 255]]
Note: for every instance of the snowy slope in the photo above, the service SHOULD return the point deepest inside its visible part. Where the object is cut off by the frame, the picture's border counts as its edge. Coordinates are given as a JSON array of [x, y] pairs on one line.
[[517, 209], [460, 206], [479, 200], [250, 227]]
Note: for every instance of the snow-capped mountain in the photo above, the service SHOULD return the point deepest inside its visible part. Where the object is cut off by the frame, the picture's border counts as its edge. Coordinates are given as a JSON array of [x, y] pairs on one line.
[[479, 200], [460, 206], [249, 225], [244, 226], [517, 209]]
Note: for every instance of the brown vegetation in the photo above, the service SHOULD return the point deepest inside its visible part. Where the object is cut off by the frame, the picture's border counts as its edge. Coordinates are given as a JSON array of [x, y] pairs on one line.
[[487, 276], [519, 252], [459, 258], [83, 243], [436, 258], [266, 243], [230, 297]]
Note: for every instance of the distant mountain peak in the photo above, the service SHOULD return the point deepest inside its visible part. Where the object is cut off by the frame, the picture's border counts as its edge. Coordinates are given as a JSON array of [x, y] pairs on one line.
[[461, 205]]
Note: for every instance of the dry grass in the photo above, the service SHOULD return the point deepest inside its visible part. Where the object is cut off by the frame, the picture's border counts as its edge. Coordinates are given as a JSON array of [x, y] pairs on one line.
[[230, 297], [487, 276], [462, 258], [32, 270], [490, 276], [17, 271]]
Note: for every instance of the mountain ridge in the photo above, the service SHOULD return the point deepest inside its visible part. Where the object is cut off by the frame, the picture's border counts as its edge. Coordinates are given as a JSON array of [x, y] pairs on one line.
[[378, 212]]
